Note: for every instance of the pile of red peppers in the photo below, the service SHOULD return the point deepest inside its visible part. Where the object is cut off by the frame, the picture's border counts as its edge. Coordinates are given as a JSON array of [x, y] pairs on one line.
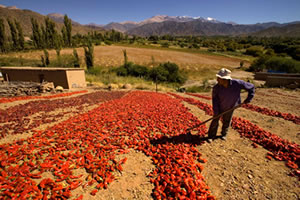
[[12, 99], [149, 122]]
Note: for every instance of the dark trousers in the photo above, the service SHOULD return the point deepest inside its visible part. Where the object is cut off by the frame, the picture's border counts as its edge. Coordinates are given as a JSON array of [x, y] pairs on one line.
[[213, 128]]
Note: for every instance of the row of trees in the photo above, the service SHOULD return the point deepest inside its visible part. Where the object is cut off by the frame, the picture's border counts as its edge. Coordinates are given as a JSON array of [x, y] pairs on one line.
[[17, 37], [48, 37], [42, 36]]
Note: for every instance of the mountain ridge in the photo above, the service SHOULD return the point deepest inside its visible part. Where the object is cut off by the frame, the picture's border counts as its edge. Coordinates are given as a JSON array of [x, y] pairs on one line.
[[24, 17], [158, 25]]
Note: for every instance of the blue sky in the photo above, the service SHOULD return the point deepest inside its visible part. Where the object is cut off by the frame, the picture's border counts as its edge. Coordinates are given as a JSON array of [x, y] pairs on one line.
[[106, 11]]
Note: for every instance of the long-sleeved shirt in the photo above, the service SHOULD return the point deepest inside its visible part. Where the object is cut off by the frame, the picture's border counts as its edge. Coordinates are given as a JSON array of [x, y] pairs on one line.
[[226, 98]]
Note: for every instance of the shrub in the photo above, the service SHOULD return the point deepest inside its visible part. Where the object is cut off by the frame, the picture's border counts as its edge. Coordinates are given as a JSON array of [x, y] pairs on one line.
[[94, 71], [121, 71], [63, 61], [254, 51], [283, 65], [197, 89], [165, 45], [76, 58], [167, 72], [279, 64]]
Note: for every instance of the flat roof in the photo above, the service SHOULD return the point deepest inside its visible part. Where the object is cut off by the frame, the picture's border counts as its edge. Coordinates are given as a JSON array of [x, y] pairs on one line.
[[42, 68]]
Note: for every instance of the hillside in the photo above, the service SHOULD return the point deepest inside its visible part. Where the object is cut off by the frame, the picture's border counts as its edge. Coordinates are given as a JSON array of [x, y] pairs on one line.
[[24, 17], [292, 30], [200, 28]]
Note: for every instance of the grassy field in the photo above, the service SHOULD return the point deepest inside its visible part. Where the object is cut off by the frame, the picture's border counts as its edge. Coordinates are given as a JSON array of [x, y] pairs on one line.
[[198, 64]]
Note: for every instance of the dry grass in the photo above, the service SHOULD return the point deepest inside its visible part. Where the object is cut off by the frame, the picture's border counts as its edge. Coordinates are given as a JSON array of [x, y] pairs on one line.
[[113, 56], [198, 66]]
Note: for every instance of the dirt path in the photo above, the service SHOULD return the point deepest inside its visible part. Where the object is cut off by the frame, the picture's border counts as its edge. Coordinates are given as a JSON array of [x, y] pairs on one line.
[[236, 170]]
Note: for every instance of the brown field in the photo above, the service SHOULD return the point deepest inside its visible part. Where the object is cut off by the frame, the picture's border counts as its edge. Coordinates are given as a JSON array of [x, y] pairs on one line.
[[113, 56]]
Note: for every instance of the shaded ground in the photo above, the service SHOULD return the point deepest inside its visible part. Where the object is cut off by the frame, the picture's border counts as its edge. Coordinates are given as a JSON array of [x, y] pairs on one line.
[[234, 170]]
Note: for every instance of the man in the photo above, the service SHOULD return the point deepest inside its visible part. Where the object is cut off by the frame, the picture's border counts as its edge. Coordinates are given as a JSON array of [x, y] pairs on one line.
[[226, 95]]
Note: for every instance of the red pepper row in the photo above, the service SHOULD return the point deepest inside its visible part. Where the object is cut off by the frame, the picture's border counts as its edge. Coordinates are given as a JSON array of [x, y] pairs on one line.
[[12, 99], [146, 121], [265, 111], [200, 96], [16, 118], [279, 148]]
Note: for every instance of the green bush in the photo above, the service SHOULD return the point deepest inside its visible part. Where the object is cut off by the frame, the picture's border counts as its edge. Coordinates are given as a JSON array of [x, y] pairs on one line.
[[121, 71], [63, 61], [94, 71], [279, 64], [283, 65], [197, 89], [254, 51], [167, 72], [158, 74], [131, 69]]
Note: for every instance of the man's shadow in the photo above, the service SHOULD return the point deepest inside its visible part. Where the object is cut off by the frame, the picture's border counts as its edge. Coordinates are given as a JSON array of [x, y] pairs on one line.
[[187, 138]]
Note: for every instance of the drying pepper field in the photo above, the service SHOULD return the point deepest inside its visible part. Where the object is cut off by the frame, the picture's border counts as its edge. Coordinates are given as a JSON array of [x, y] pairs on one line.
[[94, 144]]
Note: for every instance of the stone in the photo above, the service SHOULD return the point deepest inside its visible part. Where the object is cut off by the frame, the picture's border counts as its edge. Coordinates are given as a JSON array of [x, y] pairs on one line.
[[127, 86], [59, 88], [113, 86]]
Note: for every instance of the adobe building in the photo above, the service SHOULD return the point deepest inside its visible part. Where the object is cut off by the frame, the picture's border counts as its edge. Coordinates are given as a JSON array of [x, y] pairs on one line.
[[68, 78], [278, 79]]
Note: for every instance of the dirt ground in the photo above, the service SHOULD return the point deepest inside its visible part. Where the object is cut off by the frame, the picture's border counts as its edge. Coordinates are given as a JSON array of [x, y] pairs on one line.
[[234, 170]]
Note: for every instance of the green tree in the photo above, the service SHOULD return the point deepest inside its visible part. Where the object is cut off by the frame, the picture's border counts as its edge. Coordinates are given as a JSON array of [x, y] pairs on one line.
[[125, 57], [37, 36], [50, 33], [64, 36], [68, 31], [45, 58], [14, 34], [21, 41], [158, 74], [254, 51], [89, 55], [3, 39], [76, 58]]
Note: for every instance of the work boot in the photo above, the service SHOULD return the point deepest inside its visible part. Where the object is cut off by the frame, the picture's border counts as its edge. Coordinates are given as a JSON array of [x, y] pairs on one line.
[[223, 137], [209, 140]]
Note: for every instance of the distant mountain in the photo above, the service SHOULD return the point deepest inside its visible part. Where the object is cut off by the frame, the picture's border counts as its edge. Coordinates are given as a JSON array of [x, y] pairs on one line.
[[195, 27], [157, 25], [185, 25], [121, 27], [57, 17], [127, 26], [200, 27], [290, 30], [24, 17]]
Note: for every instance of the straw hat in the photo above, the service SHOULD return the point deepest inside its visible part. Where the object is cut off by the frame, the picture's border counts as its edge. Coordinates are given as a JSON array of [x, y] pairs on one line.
[[224, 74]]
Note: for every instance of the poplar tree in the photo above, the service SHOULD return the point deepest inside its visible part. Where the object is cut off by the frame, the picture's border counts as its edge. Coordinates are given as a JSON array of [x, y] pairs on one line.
[[21, 41], [37, 37], [89, 55], [76, 59], [68, 25], [64, 36], [3, 39], [50, 33], [14, 34]]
